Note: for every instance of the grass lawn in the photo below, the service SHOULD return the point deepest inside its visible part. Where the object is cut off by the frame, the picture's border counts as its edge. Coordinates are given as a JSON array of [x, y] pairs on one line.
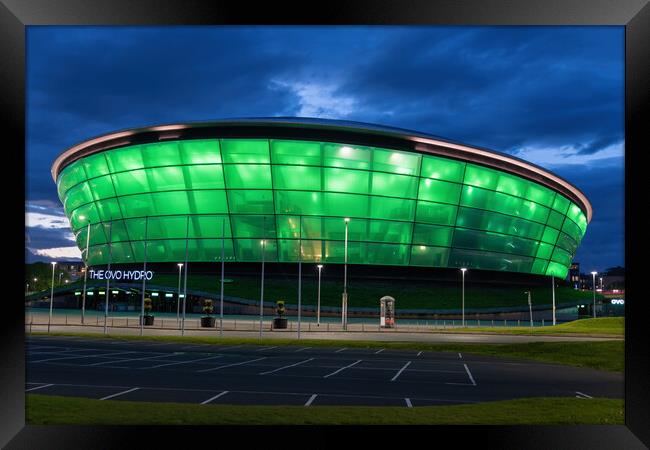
[[48, 410], [605, 326], [603, 355]]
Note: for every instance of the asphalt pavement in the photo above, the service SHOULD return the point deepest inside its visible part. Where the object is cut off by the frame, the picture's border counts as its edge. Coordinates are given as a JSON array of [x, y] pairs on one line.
[[109, 369]]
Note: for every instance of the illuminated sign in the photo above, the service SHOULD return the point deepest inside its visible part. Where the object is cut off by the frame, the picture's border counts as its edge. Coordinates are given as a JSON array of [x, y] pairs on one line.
[[618, 301], [120, 274]]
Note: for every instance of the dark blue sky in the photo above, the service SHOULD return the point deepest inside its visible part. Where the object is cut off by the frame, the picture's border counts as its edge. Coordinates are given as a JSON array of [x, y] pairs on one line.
[[550, 95]]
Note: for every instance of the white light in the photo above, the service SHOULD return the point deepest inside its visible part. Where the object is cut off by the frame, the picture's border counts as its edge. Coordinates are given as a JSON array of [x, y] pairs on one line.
[[594, 273], [347, 219], [463, 269], [422, 247], [320, 266], [53, 263], [345, 151], [180, 264]]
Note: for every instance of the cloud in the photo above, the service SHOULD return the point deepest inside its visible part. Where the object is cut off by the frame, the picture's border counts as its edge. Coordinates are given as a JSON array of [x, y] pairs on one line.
[[318, 100], [57, 252]]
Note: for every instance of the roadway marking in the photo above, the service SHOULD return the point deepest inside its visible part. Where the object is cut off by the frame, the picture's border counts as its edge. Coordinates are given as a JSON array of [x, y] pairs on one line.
[[266, 348], [75, 357], [311, 399], [471, 378], [379, 351], [408, 403], [340, 350], [230, 365], [182, 362], [119, 393], [581, 395], [39, 387], [286, 367], [401, 370], [132, 359], [460, 356], [342, 368], [301, 349], [215, 397], [419, 353]]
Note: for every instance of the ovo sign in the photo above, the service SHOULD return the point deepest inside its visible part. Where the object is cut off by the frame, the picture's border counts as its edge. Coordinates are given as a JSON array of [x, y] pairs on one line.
[[618, 301], [120, 274]]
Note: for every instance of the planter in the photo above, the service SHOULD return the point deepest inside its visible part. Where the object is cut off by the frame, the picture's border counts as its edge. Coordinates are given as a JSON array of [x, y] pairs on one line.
[[148, 320], [280, 323], [208, 322]]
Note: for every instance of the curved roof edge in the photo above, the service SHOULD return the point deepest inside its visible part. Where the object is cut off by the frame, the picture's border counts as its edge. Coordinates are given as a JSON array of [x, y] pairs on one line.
[[358, 133]]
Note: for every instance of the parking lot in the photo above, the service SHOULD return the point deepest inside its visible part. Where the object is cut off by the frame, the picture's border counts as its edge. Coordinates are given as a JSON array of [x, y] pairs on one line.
[[109, 369]]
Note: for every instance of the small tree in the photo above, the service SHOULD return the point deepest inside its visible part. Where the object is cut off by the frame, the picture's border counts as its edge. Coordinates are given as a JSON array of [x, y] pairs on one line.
[[207, 306], [147, 306], [279, 308]]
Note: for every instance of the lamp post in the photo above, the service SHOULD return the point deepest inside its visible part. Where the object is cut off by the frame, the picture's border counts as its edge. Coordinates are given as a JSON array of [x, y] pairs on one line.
[[344, 303], [263, 243], [463, 270], [320, 266], [223, 268], [110, 257], [530, 308], [60, 275], [83, 299], [553, 291], [299, 273], [27, 289], [51, 298], [593, 285], [178, 297]]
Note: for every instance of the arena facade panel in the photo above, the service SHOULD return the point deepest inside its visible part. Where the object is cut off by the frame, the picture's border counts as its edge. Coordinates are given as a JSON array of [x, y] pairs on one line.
[[281, 189]]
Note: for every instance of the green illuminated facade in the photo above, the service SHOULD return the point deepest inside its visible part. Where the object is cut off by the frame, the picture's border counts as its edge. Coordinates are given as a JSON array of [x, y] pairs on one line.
[[405, 207]]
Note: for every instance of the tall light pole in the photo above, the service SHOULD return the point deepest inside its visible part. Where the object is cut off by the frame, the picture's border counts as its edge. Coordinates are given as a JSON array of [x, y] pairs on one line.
[[60, 275], [223, 267], [463, 270], [593, 285], [83, 299], [553, 291], [263, 243], [344, 303], [27, 289], [144, 277], [187, 241], [110, 256], [178, 297], [299, 272], [51, 298], [530, 308], [320, 266]]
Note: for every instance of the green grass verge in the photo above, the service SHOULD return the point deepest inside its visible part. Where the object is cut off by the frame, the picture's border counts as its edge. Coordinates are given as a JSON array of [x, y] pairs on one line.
[[50, 410], [602, 355], [604, 326]]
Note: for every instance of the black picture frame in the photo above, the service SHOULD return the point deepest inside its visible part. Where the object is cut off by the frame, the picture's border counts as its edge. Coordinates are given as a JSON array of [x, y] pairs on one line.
[[15, 15]]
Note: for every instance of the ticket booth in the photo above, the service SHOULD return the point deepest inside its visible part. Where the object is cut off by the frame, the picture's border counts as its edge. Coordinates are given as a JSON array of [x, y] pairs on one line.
[[387, 312]]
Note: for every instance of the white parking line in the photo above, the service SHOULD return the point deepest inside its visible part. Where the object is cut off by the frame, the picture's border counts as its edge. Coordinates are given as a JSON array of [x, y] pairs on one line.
[[182, 362], [119, 393], [471, 378], [583, 395], [286, 367], [231, 365], [132, 359], [379, 351], [74, 357], [38, 387], [340, 350], [419, 353], [408, 402], [311, 399], [214, 398], [266, 348], [400, 371], [301, 349], [342, 368], [460, 356]]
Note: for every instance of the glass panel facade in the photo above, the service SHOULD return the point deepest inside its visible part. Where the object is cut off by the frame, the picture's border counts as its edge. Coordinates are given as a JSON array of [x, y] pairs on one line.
[[404, 207]]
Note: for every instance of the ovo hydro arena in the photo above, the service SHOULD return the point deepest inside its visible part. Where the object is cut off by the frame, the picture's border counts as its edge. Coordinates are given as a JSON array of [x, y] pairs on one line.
[[281, 189]]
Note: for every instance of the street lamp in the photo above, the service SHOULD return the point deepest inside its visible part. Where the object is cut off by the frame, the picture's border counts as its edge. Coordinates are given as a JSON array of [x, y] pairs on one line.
[[178, 298], [530, 308], [463, 270], [320, 266], [60, 275], [262, 288], [51, 298], [344, 303], [593, 285]]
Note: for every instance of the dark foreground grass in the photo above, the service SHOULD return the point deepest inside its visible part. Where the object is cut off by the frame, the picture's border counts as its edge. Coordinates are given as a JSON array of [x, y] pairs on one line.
[[602, 355], [51, 410]]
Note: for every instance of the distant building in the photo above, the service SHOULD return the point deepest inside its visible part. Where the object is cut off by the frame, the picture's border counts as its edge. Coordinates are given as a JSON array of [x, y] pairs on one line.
[[574, 275]]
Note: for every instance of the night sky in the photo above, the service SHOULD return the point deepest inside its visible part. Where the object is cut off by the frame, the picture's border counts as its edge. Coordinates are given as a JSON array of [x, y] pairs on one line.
[[549, 95]]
